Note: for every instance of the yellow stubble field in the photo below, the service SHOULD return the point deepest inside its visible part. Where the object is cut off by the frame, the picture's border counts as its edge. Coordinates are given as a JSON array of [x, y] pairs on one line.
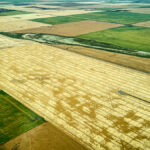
[[99, 104], [19, 25]]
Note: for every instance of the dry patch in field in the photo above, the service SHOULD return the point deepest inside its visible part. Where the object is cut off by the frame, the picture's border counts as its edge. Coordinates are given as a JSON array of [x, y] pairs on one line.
[[140, 10], [43, 137], [100, 104], [143, 24], [19, 25], [6, 42], [138, 63], [72, 29]]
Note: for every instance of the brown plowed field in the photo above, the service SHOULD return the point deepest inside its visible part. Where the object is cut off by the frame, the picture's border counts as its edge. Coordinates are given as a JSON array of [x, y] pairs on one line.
[[100, 104], [72, 29], [43, 137], [138, 63]]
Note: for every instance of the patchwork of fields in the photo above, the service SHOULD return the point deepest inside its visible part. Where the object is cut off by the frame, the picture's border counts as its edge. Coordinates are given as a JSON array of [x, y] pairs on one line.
[[19, 25], [113, 17], [83, 80], [136, 38], [137, 63], [43, 137], [58, 85], [15, 118], [72, 29]]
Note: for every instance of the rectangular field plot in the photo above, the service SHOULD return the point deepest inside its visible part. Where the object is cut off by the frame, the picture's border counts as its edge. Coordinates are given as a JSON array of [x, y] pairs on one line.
[[99, 104], [15, 118], [113, 17], [134, 38], [72, 29], [19, 25]]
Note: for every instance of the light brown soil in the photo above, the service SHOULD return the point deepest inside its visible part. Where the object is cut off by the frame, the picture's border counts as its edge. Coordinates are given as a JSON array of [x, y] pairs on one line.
[[43, 137], [19, 25], [138, 63], [140, 10], [143, 24], [72, 29], [81, 96]]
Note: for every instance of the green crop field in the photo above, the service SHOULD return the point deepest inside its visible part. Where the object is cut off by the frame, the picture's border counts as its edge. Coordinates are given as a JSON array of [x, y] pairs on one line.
[[10, 13], [121, 17], [15, 118], [136, 38], [60, 19]]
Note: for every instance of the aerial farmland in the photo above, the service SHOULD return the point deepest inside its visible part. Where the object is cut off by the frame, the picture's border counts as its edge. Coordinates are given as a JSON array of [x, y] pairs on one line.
[[74, 75]]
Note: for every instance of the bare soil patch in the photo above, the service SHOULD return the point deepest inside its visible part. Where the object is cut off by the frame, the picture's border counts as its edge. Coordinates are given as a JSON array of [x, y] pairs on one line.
[[140, 10], [143, 24], [19, 25], [138, 63], [43, 137], [72, 29]]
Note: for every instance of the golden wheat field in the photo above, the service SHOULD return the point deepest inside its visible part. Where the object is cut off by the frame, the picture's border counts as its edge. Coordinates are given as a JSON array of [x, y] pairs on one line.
[[137, 63], [99, 104]]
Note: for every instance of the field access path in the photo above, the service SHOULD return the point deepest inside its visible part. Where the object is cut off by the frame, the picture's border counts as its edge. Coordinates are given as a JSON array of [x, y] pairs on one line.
[[99, 104]]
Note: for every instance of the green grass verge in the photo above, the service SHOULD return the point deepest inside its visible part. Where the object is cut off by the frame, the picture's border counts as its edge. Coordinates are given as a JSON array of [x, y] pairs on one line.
[[136, 38], [15, 118], [10, 13], [121, 17]]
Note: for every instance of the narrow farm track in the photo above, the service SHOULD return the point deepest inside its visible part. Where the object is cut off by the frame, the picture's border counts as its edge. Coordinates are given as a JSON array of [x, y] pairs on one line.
[[80, 95]]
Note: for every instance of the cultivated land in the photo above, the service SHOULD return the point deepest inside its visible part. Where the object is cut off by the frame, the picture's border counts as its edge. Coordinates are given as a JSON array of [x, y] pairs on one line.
[[113, 17], [136, 38], [143, 24], [43, 137], [6, 42], [140, 10], [101, 105], [19, 25], [137, 63], [13, 12], [15, 118], [72, 29], [41, 15]]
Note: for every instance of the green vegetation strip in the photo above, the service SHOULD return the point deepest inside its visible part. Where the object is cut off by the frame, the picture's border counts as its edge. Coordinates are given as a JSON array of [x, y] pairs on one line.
[[127, 37], [15, 118], [10, 13], [119, 17]]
